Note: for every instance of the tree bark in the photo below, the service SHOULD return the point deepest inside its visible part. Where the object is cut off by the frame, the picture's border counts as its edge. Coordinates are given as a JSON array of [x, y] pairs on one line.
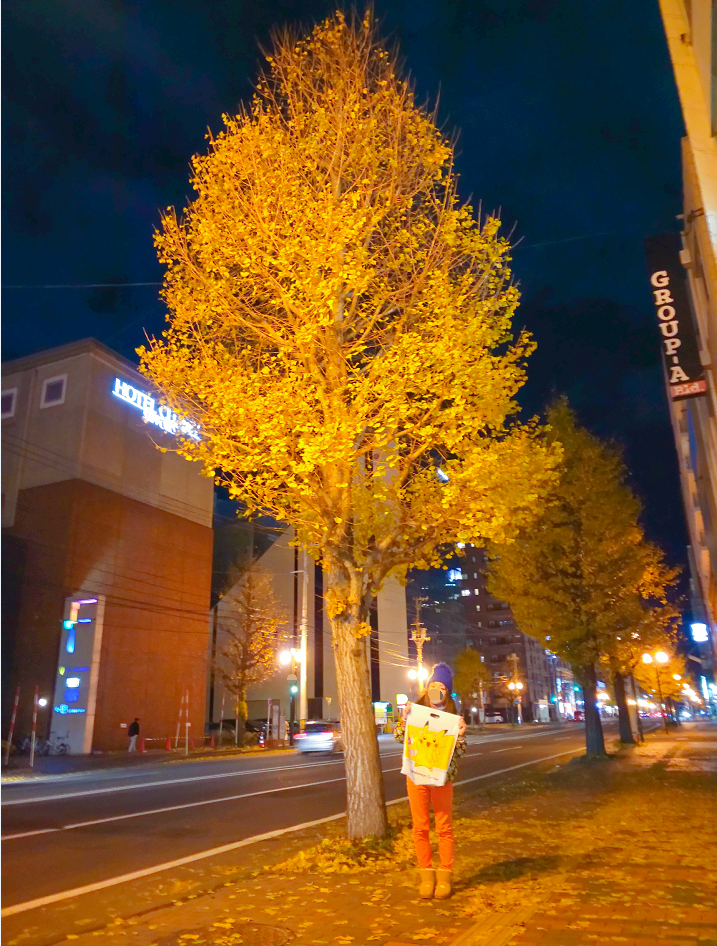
[[618, 684], [241, 715], [594, 739], [365, 799]]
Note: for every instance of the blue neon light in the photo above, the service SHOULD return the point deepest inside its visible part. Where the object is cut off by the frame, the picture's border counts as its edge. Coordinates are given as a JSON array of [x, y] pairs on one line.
[[84, 620], [63, 709], [67, 624], [70, 645], [72, 694]]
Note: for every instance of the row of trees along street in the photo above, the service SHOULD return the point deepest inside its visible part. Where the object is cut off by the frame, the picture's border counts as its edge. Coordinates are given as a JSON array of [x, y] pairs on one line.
[[340, 329], [583, 580]]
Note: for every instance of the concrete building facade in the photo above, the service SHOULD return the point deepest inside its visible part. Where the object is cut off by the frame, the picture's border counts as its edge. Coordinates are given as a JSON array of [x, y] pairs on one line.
[[107, 551], [386, 648], [691, 30]]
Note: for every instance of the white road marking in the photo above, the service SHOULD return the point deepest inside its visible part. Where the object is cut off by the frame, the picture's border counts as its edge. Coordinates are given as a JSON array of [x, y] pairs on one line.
[[235, 774], [202, 855], [165, 782], [159, 811]]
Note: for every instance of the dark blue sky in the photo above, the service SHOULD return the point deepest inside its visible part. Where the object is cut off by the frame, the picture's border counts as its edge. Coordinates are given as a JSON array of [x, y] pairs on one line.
[[568, 121]]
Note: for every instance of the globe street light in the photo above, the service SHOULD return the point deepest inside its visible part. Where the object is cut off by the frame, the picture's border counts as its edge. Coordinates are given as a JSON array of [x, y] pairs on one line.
[[660, 658]]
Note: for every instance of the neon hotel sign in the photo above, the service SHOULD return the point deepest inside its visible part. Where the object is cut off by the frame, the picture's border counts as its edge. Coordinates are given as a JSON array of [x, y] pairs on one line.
[[152, 413]]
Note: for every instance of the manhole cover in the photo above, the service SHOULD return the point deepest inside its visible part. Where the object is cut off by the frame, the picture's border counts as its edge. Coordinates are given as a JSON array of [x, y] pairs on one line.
[[243, 934]]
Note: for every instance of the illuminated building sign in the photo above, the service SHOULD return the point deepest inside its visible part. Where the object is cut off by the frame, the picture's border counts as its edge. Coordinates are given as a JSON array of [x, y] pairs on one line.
[[152, 413], [699, 633], [75, 696], [678, 338]]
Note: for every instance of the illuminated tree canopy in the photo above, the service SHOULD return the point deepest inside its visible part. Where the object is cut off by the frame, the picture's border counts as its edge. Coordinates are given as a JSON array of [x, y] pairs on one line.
[[340, 330]]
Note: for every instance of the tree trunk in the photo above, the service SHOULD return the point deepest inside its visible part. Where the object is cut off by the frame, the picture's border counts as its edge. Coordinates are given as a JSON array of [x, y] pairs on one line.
[[594, 740], [365, 800], [241, 715], [618, 684]]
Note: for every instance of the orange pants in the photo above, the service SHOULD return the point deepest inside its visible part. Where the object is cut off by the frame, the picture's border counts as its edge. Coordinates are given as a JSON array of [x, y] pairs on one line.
[[420, 798]]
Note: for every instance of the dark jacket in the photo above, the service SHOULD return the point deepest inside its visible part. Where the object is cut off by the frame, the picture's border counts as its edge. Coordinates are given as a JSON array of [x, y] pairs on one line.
[[133, 729]]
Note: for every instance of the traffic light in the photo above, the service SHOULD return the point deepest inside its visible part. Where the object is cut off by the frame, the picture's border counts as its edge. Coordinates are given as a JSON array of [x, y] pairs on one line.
[[293, 689]]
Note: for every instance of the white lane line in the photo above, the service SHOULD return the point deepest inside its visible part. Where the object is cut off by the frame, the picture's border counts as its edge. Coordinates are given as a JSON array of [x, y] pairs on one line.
[[159, 811], [509, 749], [200, 778], [176, 781], [179, 781], [202, 855]]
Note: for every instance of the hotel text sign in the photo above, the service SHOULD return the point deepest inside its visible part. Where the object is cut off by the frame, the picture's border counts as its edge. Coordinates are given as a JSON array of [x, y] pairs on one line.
[[680, 351], [159, 415]]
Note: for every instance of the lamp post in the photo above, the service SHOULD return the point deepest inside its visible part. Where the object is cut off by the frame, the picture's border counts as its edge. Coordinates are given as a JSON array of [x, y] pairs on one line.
[[660, 658], [515, 686], [419, 676], [293, 661]]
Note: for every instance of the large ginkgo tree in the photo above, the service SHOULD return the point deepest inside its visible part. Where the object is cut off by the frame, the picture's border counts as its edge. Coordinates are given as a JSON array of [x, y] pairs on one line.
[[340, 331]]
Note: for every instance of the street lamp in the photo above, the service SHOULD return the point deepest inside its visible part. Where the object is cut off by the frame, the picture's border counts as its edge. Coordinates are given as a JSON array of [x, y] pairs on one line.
[[291, 659], [516, 686], [660, 658]]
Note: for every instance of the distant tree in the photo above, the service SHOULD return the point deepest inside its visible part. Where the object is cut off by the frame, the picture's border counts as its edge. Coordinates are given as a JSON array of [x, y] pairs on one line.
[[252, 629], [645, 620], [470, 673], [582, 580], [340, 332]]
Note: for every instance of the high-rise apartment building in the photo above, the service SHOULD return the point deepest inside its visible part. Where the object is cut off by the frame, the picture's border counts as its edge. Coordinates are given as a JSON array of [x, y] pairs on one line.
[[491, 628]]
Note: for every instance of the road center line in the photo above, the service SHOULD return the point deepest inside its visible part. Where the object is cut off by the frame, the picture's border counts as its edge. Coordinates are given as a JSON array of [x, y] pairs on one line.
[[159, 811], [217, 775], [202, 855]]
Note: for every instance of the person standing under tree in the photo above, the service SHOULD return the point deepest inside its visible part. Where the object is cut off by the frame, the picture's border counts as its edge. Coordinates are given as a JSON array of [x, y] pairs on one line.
[[436, 884], [133, 732]]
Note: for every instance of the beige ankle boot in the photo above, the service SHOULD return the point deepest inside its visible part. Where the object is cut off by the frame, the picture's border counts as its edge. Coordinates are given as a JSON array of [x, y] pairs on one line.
[[428, 883], [443, 888]]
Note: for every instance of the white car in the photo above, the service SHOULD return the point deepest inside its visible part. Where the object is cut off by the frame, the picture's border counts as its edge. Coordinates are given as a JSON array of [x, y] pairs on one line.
[[319, 736], [493, 718]]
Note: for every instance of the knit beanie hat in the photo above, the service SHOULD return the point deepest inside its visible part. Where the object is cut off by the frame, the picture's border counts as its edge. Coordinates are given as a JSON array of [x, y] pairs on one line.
[[442, 674]]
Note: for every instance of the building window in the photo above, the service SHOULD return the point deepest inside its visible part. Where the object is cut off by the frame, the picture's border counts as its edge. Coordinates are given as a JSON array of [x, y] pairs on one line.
[[465, 592], [53, 391], [9, 400]]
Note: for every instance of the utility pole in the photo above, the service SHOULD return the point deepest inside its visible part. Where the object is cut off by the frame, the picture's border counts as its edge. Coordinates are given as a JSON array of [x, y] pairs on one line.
[[419, 638], [303, 696]]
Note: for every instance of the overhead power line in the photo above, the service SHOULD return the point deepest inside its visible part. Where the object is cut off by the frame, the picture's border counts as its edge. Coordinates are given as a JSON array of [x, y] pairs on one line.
[[85, 285]]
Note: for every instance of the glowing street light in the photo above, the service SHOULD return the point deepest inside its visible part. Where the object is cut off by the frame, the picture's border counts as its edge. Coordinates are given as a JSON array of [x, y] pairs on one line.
[[284, 658], [412, 674], [660, 658]]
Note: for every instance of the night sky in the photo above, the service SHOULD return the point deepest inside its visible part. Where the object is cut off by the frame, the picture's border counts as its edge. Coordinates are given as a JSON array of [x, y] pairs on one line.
[[568, 121]]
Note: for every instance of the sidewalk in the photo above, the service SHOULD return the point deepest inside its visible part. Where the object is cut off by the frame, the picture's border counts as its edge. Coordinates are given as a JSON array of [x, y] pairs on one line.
[[616, 852]]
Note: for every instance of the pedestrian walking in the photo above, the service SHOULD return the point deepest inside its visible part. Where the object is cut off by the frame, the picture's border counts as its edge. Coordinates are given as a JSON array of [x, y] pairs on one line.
[[133, 732], [437, 695]]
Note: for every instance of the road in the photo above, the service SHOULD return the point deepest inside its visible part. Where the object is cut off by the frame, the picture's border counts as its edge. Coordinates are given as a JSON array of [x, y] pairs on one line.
[[63, 834]]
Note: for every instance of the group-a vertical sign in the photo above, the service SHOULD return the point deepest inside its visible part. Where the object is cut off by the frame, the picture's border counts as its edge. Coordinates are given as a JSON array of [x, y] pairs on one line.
[[680, 350]]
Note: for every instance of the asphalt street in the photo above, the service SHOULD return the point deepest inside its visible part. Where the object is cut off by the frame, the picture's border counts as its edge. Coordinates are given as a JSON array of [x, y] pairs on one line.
[[63, 834]]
